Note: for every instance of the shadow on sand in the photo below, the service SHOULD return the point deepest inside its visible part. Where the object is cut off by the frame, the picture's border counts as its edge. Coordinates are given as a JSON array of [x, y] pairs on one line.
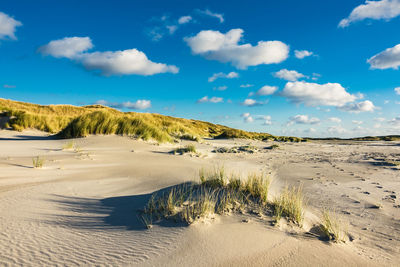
[[29, 138], [122, 212]]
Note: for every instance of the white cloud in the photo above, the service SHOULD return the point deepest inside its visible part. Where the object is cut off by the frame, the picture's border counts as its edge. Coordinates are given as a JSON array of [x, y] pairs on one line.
[[8, 26], [68, 47], [266, 90], [251, 102], [171, 28], [213, 99], [395, 121], [310, 131], [266, 118], [300, 54], [138, 104], [337, 130], [390, 58], [184, 19], [384, 9], [247, 117], [124, 62], [221, 88], [289, 75], [246, 85], [229, 75], [379, 119], [9, 86], [303, 119], [397, 90], [207, 12], [364, 106], [357, 122], [313, 94], [335, 119], [315, 76], [214, 45]]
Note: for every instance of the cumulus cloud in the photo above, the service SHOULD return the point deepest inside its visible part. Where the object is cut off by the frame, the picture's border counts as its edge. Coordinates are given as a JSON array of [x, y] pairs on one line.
[[357, 122], [123, 62], [171, 28], [335, 119], [300, 54], [384, 9], [207, 12], [289, 75], [68, 47], [229, 75], [315, 76], [184, 19], [246, 85], [138, 104], [266, 118], [303, 119], [380, 119], [395, 121], [247, 117], [266, 90], [397, 90], [214, 45], [310, 131], [8, 26], [251, 103], [221, 88], [364, 106], [336, 130], [388, 59], [213, 99], [314, 94]]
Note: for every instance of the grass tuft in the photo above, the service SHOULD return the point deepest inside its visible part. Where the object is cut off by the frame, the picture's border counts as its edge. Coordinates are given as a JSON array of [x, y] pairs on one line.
[[290, 204], [331, 226], [38, 162], [186, 149], [69, 145]]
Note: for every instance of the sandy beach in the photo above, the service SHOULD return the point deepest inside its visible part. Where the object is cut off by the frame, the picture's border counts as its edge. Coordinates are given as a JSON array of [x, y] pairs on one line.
[[82, 207]]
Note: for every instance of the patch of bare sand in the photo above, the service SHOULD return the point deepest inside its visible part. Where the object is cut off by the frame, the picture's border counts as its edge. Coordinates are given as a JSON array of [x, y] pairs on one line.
[[81, 208]]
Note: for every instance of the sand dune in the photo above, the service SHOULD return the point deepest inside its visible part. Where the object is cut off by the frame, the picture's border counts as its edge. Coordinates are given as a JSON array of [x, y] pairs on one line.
[[81, 208]]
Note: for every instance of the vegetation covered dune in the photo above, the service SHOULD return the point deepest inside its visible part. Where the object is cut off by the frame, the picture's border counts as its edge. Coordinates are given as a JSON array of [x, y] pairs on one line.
[[71, 121]]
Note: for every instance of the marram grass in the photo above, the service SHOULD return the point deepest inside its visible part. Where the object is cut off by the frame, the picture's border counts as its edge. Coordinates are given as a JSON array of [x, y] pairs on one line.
[[71, 121]]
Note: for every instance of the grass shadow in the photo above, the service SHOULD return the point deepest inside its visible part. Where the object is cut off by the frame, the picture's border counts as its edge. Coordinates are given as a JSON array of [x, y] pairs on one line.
[[121, 212]]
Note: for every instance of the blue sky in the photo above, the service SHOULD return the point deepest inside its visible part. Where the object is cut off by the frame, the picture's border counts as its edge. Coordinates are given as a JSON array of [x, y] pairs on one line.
[[160, 56]]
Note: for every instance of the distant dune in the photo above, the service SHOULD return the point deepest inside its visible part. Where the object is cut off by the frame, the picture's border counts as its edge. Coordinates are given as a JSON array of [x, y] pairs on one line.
[[71, 121]]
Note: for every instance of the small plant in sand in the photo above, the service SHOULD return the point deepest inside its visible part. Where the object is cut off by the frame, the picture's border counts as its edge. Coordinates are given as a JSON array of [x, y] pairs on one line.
[[290, 204], [77, 149], [216, 194], [331, 226], [186, 149], [69, 145], [274, 146], [37, 162]]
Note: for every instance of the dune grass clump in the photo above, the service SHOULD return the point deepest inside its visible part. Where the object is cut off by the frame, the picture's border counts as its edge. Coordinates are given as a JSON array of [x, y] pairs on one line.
[[38, 162], [186, 149], [290, 204], [69, 145], [214, 178], [331, 226], [217, 193], [257, 186]]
